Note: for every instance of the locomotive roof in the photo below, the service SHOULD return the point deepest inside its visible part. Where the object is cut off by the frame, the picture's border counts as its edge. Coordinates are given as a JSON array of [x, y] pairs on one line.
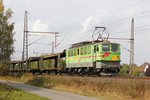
[[87, 43]]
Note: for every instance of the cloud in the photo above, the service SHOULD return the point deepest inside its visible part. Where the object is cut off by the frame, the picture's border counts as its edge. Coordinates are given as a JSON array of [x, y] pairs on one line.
[[86, 24], [39, 26], [96, 20]]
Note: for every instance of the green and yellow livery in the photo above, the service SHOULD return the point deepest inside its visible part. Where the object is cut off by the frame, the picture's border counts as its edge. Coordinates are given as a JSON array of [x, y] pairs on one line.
[[93, 57]]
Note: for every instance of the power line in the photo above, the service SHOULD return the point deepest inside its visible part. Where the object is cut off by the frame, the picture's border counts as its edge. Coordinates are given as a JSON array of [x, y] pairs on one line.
[[125, 7], [34, 16], [125, 18], [118, 21], [143, 26], [25, 38], [123, 46], [36, 40], [127, 31]]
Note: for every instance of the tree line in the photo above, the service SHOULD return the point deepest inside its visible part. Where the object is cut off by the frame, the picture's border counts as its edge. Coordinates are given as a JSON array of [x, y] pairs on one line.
[[6, 36]]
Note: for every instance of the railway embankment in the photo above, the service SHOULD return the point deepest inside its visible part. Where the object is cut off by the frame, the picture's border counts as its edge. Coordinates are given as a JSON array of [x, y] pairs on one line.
[[108, 88]]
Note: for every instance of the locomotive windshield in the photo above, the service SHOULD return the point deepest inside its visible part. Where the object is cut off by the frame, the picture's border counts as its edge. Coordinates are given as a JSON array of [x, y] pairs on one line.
[[114, 47], [106, 47]]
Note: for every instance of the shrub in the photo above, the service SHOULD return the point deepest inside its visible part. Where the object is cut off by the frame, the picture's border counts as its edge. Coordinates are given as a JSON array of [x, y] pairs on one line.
[[4, 68], [124, 70]]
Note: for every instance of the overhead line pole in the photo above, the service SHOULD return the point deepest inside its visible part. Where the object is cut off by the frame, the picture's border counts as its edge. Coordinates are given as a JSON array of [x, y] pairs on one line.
[[25, 38], [132, 47], [52, 47]]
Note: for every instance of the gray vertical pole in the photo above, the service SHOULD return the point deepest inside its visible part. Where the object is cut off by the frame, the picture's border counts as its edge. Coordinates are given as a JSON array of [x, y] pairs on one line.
[[25, 41], [41, 63], [55, 40], [132, 47], [58, 61], [52, 47], [25, 38]]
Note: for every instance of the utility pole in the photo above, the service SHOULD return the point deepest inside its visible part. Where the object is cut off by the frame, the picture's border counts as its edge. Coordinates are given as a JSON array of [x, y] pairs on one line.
[[52, 47], [132, 47], [56, 40], [25, 38]]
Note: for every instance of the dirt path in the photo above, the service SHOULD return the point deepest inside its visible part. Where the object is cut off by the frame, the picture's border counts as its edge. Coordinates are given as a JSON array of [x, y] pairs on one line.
[[48, 93]]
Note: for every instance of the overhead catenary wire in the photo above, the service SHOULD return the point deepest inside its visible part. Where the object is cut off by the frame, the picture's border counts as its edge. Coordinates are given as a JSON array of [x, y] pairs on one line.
[[125, 7], [131, 5], [122, 46], [35, 16], [36, 40], [142, 26], [75, 37], [137, 30], [128, 17], [118, 21]]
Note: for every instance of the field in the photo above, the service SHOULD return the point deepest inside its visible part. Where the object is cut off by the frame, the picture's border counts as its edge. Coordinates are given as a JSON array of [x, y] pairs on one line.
[[9, 93], [107, 88]]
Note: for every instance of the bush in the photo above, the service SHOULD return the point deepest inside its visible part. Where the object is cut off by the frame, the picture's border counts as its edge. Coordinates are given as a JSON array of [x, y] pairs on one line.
[[137, 72], [37, 81], [4, 68], [124, 71]]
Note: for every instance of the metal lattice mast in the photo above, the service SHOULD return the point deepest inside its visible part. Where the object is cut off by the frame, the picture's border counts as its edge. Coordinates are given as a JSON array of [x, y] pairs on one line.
[[132, 47], [25, 38]]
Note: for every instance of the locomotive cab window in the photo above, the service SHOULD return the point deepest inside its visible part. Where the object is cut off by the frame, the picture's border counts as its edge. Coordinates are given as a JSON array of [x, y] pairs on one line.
[[69, 53], [97, 48], [106, 47], [85, 50], [81, 53], [94, 48], [75, 53], [114, 47], [89, 49], [78, 51]]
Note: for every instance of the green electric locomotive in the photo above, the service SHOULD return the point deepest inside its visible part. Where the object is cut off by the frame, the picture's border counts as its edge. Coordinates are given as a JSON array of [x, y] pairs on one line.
[[93, 57]]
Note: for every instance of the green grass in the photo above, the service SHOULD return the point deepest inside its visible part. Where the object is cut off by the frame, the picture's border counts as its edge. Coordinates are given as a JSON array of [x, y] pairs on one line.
[[9, 93]]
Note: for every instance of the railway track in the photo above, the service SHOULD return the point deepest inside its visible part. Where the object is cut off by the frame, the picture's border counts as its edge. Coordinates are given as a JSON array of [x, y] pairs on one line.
[[106, 77], [116, 76]]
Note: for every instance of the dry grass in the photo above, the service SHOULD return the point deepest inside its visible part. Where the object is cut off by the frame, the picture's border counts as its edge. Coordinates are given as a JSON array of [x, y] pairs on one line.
[[20, 78], [109, 88]]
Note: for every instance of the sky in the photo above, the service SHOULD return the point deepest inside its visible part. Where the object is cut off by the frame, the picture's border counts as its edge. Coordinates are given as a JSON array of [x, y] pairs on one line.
[[75, 21]]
